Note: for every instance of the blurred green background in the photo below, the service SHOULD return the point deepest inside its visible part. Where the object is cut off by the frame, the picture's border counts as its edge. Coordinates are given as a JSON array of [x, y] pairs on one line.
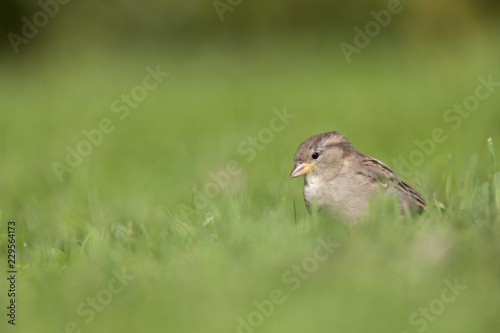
[[133, 203]]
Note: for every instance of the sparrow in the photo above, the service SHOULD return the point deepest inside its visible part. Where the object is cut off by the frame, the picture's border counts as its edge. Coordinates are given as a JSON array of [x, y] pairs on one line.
[[342, 181]]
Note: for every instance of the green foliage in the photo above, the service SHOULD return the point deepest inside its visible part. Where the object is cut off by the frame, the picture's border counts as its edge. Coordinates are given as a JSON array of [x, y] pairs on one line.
[[131, 204]]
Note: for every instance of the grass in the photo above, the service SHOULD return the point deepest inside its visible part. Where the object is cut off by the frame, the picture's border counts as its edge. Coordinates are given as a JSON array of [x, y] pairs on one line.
[[121, 208]]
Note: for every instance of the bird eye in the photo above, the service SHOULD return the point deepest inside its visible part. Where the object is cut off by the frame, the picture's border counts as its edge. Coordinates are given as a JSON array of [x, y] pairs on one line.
[[315, 155]]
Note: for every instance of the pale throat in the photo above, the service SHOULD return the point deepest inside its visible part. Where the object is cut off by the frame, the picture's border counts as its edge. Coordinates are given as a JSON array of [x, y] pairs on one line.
[[311, 179]]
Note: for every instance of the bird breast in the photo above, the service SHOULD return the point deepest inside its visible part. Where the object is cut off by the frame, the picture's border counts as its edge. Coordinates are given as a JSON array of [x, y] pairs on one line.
[[340, 196]]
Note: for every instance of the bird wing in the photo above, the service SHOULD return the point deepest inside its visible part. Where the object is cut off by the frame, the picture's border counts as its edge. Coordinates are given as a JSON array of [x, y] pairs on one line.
[[382, 174]]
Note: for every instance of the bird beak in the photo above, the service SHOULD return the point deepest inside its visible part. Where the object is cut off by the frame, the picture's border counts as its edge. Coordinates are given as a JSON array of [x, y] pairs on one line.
[[300, 169]]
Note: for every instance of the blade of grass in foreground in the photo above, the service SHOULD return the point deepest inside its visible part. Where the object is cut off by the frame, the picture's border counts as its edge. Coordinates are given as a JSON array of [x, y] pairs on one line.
[[449, 184], [294, 212], [492, 178]]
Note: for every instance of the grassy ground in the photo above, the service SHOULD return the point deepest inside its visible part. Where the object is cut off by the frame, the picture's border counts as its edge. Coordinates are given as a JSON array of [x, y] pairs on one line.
[[245, 259]]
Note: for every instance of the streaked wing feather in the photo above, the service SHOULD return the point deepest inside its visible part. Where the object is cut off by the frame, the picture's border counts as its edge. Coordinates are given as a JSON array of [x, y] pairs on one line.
[[384, 175]]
